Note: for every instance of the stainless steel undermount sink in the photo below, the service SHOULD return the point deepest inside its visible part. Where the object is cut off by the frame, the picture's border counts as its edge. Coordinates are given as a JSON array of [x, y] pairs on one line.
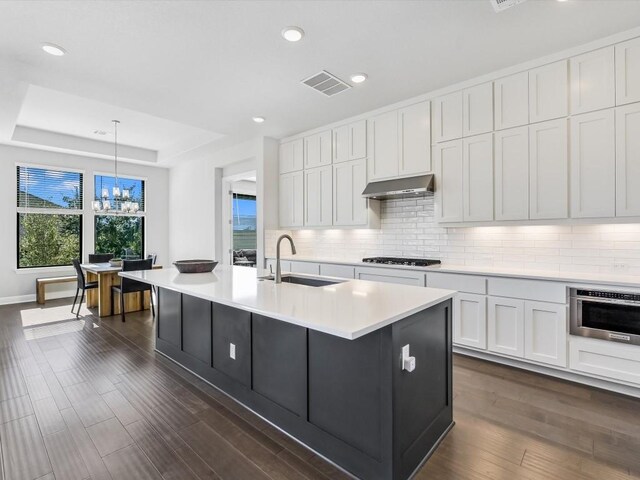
[[303, 280]]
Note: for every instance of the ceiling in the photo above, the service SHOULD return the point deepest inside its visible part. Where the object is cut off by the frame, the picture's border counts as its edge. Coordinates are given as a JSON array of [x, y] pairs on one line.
[[184, 73]]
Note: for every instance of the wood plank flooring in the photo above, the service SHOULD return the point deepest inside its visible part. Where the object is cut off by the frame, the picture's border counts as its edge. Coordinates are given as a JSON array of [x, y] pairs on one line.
[[89, 399]]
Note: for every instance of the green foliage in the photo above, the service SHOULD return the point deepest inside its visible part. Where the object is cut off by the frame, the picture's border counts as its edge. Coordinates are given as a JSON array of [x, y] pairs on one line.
[[118, 234], [48, 240]]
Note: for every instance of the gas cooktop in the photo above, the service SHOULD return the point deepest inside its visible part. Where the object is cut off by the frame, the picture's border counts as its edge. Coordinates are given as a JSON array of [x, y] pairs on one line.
[[412, 262]]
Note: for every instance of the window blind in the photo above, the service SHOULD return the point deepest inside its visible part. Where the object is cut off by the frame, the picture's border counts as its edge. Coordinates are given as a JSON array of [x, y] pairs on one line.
[[48, 189]]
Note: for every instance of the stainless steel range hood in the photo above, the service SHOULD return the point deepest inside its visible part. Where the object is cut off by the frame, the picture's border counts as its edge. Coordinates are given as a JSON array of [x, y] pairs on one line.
[[399, 187]]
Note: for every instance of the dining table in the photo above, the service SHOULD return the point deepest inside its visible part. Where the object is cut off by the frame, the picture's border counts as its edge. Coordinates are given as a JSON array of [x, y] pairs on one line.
[[107, 276]]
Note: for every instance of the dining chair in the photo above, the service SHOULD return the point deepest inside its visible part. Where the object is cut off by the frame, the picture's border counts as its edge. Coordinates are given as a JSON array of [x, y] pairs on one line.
[[100, 257], [82, 285], [133, 286], [154, 257]]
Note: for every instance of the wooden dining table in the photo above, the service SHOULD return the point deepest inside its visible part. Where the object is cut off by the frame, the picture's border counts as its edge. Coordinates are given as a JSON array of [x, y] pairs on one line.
[[107, 276]]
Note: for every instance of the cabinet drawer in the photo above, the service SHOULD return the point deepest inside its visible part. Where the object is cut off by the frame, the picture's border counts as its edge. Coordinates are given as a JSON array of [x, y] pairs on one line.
[[605, 359], [455, 281], [339, 271], [390, 275], [304, 267], [528, 289]]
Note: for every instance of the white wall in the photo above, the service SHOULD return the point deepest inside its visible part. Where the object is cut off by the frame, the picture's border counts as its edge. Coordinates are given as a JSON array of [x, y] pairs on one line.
[[20, 285]]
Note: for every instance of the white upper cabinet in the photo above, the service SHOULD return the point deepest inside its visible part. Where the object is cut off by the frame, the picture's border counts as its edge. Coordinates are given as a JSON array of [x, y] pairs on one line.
[[349, 180], [318, 196], [291, 156], [628, 72], [511, 101], [414, 131], [447, 117], [317, 150], [628, 160], [383, 146], [512, 174], [291, 199], [548, 92], [593, 165], [593, 81], [548, 170], [477, 178], [477, 107], [350, 141], [448, 161]]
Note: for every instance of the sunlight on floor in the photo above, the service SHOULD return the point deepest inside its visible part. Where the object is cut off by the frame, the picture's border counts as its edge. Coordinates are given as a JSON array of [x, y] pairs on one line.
[[42, 322]]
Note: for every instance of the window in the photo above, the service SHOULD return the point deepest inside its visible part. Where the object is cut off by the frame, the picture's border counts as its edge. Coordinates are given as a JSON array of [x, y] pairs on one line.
[[49, 217], [115, 232], [244, 222]]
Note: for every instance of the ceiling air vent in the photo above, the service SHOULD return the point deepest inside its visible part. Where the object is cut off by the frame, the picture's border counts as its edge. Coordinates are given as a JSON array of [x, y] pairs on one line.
[[500, 5], [326, 83]]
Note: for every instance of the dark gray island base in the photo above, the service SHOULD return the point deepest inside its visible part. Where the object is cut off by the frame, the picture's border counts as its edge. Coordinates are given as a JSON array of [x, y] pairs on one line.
[[349, 400]]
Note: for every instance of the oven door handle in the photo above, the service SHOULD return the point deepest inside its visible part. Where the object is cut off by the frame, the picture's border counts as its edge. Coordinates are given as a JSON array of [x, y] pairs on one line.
[[612, 301]]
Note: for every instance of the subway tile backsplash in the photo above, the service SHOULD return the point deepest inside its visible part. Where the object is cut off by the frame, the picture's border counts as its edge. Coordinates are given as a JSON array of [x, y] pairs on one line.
[[409, 229]]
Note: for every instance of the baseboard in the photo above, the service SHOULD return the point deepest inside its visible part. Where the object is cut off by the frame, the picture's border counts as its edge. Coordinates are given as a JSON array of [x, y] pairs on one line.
[[32, 297]]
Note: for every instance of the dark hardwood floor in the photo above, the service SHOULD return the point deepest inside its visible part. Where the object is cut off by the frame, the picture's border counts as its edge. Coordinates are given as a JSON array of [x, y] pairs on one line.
[[84, 398]]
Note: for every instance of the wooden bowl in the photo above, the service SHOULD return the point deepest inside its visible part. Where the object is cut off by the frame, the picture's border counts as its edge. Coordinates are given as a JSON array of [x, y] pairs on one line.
[[195, 266]]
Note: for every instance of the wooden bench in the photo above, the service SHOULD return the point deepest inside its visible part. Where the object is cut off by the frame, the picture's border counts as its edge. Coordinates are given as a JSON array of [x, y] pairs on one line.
[[41, 282]]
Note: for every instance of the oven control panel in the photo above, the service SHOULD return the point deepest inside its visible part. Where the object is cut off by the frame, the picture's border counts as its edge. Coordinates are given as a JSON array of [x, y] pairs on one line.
[[628, 297]]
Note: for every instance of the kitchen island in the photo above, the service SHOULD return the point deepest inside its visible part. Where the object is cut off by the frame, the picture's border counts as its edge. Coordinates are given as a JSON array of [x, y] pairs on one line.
[[322, 363]]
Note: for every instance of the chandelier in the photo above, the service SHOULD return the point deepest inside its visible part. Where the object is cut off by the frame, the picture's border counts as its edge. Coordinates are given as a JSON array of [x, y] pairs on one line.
[[120, 200]]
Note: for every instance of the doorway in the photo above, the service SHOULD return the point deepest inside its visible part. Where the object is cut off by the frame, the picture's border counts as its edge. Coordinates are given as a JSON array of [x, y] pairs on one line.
[[240, 225]]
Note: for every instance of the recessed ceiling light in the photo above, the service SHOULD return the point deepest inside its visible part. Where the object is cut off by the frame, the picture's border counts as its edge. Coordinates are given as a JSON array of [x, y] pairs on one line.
[[358, 77], [292, 34], [52, 49], [258, 119]]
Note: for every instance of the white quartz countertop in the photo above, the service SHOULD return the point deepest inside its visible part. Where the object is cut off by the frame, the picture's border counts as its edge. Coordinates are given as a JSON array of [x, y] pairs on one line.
[[621, 280], [349, 309]]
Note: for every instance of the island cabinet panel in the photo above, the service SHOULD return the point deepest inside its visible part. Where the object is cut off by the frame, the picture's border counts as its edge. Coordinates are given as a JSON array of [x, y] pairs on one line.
[[196, 328], [232, 337], [169, 313], [279, 363]]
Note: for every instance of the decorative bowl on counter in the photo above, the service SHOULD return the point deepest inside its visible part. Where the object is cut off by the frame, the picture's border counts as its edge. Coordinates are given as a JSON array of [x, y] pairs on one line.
[[115, 262], [195, 266]]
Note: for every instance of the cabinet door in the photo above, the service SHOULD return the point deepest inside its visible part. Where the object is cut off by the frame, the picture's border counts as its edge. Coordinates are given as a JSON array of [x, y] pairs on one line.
[[318, 196], [628, 72], [512, 174], [548, 170], [341, 144], [383, 146], [477, 110], [470, 320], [477, 178], [593, 165], [291, 156], [628, 161], [414, 130], [291, 199], [545, 333], [548, 92], [317, 150], [511, 101], [505, 326], [358, 140], [349, 181], [447, 117], [592, 81], [448, 158]]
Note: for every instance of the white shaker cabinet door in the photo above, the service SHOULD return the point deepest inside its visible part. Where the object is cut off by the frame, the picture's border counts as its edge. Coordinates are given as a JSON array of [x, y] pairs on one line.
[[512, 174], [350, 141], [593, 165], [383, 146], [349, 181], [470, 320], [291, 158], [548, 170], [317, 150], [414, 130], [548, 92], [477, 178], [448, 160], [593, 81], [477, 108], [447, 117], [628, 160], [505, 326], [545, 333], [511, 101], [628, 72], [318, 196], [291, 199]]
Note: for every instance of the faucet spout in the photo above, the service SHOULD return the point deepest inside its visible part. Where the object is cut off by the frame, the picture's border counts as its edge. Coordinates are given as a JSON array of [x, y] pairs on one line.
[[278, 278]]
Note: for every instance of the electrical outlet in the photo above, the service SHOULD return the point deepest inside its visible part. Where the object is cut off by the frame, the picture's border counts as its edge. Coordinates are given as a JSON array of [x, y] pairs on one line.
[[232, 350]]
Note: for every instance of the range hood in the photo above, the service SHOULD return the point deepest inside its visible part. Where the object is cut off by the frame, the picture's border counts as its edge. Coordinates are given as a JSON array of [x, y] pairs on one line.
[[399, 187]]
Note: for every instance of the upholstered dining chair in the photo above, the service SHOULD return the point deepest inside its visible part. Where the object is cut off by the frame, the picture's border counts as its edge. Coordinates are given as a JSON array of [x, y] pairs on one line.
[[100, 257], [133, 286], [82, 285]]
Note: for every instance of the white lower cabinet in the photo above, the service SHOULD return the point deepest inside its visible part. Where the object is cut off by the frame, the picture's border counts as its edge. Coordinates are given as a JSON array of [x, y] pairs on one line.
[[285, 265], [605, 359], [470, 320], [390, 275], [304, 267], [505, 326], [545, 333], [338, 271]]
